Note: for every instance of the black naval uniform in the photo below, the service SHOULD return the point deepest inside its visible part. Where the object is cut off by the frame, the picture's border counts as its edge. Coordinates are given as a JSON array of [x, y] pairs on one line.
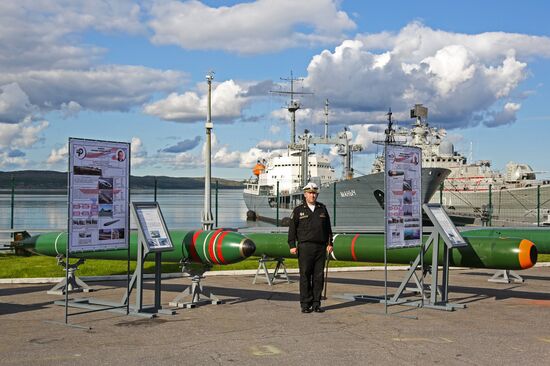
[[312, 232]]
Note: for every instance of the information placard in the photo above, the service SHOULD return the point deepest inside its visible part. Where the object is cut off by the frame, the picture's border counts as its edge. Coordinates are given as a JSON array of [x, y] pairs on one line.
[[403, 179], [152, 225], [448, 230], [99, 173]]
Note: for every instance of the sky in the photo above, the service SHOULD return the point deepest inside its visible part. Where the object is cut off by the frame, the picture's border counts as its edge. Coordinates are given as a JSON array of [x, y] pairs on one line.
[[135, 71]]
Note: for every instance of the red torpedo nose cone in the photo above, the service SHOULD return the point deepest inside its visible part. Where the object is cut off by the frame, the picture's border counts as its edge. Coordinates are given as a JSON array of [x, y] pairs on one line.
[[527, 254], [218, 246]]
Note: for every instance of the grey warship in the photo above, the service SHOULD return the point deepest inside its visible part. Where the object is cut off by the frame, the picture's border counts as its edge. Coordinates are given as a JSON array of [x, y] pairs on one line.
[[276, 187]]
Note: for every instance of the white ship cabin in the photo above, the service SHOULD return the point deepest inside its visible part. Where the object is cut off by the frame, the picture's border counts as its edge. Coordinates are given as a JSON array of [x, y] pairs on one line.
[[287, 171]]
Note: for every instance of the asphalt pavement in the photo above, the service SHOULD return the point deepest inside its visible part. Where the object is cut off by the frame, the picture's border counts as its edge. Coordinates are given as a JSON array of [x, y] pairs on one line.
[[504, 324]]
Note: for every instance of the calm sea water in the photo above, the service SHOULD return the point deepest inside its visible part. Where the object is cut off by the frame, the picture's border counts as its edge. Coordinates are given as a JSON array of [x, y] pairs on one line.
[[181, 209]]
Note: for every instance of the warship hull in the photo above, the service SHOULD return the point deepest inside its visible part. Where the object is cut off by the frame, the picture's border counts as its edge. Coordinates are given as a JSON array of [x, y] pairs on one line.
[[354, 202]]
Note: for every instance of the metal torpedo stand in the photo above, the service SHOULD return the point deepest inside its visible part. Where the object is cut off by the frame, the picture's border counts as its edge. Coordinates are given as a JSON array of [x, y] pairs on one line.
[[153, 237], [271, 277]]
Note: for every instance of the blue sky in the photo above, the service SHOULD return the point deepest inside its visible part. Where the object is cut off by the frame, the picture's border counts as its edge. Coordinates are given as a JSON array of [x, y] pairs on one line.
[[134, 71]]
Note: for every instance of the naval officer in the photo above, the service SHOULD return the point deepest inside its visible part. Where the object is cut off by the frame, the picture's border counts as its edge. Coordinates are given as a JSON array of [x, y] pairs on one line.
[[310, 236]]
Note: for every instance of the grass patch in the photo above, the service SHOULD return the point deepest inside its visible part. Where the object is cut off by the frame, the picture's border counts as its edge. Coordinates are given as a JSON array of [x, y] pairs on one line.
[[13, 266]]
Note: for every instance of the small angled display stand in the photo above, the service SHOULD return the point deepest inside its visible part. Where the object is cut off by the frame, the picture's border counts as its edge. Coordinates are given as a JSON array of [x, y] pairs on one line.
[[446, 230], [153, 238], [438, 289]]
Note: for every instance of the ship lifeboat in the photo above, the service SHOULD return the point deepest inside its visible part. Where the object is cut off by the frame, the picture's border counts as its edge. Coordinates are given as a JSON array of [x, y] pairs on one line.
[[258, 169]]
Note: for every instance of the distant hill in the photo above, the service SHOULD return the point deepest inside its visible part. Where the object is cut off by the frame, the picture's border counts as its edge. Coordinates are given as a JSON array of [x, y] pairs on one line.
[[47, 180]]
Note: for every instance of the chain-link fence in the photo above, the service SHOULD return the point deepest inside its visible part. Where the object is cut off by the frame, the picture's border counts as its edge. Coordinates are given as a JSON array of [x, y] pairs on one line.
[[499, 207]]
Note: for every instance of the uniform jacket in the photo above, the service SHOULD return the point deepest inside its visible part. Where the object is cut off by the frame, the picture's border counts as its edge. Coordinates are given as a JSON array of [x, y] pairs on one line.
[[311, 227]]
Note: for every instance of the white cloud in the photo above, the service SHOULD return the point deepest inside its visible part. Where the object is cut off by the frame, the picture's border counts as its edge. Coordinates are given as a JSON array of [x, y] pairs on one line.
[[9, 162], [459, 77], [21, 135], [101, 89], [253, 27], [36, 34], [70, 109], [14, 104], [274, 129], [268, 145], [139, 153], [58, 155], [227, 103], [507, 115]]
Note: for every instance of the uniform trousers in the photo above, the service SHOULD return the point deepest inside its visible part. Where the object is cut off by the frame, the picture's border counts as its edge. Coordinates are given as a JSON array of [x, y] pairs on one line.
[[311, 260]]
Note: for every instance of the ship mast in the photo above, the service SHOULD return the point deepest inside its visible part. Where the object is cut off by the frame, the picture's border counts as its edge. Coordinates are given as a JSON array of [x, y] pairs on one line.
[[345, 149], [293, 105], [390, 138]]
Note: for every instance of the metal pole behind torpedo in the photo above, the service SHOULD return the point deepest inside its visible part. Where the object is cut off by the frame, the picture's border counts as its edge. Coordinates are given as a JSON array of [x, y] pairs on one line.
[[217, 187]]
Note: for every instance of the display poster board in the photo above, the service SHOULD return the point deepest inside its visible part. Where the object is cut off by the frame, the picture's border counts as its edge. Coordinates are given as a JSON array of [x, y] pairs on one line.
[[448, 230], [403, 207], [99, 173], [152, 225]]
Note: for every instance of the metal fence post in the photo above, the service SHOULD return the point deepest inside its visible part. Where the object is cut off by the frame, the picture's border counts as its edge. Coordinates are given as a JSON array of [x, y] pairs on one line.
[[277, 219], [490, 205], [12, 200], [216, 212], [334, 206], [155, 191], [538, 205], [441, 186]]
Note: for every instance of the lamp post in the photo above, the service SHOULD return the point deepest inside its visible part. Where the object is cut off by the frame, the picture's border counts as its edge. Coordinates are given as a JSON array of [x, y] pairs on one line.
[[207, 219]]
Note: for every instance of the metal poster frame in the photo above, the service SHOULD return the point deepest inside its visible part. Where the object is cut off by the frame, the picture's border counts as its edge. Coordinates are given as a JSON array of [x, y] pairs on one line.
[[403, 197], [403, 194], [111, 157], [98, 195]]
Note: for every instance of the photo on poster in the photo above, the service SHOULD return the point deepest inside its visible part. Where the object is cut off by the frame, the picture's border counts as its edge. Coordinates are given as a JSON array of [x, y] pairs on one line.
[[407, 185], [407, 197], [117, 233], [412, 234], [105, 234], [87, 170], [105, 183], [105, 196], [105, 210]]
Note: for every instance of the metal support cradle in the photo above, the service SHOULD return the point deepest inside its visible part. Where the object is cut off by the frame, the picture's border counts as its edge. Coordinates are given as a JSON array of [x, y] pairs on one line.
[[506, 276], [270, 278], [70, 283], [194, 293]]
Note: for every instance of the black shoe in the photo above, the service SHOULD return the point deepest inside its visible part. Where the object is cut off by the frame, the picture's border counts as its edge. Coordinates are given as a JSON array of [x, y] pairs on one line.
[[307, 310], [318, 309]]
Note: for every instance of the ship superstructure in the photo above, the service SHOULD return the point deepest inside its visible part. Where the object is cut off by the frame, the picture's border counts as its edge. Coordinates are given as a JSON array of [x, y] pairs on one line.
[[276, 187], [466, 189]]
